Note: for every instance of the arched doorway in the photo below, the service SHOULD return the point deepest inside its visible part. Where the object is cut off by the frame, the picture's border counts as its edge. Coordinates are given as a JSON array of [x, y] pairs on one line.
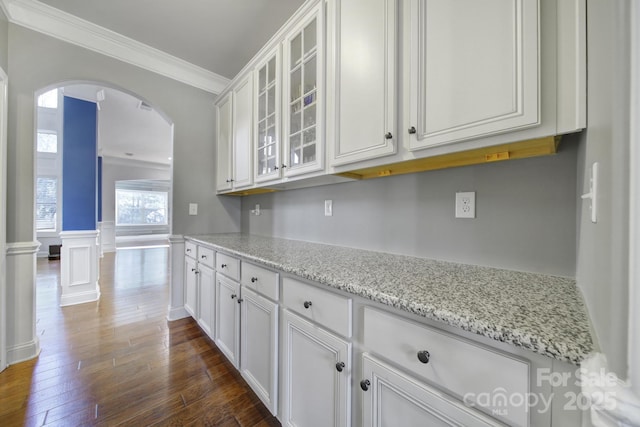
[[133, 156]]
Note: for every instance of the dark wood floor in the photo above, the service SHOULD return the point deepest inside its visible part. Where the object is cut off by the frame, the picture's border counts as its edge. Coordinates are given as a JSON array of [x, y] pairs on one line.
[[119, 362]]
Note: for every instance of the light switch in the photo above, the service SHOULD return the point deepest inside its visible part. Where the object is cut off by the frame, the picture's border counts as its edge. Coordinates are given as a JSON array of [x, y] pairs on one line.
[[193, 209], [328, 208]]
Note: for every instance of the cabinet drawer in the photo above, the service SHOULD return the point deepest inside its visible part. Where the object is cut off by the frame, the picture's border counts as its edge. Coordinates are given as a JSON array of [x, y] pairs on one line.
[[190, 249], [260, 280], [324, 307], [228, 265], [454, 364], [206, 256]]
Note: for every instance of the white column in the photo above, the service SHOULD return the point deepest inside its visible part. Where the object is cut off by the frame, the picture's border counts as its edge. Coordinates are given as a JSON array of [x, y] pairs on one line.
[[21, 339], [79, 267], [108, 236], [176, 285]]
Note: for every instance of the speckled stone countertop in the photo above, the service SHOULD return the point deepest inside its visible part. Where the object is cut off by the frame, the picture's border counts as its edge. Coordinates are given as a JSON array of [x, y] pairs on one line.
[[544, 314]]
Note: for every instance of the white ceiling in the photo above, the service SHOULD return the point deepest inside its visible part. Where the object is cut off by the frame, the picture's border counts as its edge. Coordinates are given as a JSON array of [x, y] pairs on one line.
[[218, 35], [123, 127]]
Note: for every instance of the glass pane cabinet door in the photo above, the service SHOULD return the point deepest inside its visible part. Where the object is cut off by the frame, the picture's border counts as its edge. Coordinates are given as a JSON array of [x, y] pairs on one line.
[[303, 89], [267, 114]]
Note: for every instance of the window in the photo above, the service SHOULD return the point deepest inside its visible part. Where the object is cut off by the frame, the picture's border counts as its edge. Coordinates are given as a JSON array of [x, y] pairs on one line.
[[46, 208], [49, 99], [47, 142], [135, 207]]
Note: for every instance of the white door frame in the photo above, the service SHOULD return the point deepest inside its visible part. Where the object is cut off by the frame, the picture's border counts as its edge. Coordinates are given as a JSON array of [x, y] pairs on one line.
[[3, 217], [634, 204]]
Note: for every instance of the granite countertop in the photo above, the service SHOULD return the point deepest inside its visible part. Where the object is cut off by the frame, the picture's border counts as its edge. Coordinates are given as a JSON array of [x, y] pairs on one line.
[[544, 314]]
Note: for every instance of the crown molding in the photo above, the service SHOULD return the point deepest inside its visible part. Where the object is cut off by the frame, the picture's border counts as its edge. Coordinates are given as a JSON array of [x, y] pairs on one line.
[[53, 22]]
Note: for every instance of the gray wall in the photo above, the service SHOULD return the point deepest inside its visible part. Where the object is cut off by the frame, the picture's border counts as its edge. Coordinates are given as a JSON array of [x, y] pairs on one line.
[[4, 40], [602, 264], [526, 213], [38, 61]]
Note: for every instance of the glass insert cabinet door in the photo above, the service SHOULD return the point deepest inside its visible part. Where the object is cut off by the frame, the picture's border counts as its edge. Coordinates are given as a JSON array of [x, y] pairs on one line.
[[303, 63], [268, 164]]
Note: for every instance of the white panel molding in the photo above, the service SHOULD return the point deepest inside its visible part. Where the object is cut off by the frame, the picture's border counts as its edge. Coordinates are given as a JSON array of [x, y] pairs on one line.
[[21, 340], [79, 267], [81, 262], [69, 28], [176, 284]]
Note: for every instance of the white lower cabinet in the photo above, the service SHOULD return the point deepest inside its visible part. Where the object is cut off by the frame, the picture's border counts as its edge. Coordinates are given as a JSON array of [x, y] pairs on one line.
[[392, 398], [258, 348], [191, 286], [317, 375], [207, 291], [227, 314]]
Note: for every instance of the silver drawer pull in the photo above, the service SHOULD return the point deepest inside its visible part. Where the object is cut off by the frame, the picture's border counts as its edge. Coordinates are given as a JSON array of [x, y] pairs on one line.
[[424, 356]]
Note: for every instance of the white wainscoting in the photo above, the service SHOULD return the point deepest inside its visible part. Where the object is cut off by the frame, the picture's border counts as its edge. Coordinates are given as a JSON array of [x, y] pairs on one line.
[[79, 267], [22, 341], [176, 286], [108, 236]]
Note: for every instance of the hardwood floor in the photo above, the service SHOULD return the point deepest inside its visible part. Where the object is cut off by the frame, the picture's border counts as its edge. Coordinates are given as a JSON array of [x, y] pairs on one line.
[[119, 362]]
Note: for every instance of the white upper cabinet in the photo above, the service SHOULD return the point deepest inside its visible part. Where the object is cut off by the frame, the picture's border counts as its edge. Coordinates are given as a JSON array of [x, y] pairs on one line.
[[473, 69], [303, 95], [267, 113], [242, 133], [361, 113], [224, 143]]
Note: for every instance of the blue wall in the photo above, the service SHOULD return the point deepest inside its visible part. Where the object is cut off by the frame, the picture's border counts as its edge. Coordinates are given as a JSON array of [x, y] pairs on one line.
[[79, 165]]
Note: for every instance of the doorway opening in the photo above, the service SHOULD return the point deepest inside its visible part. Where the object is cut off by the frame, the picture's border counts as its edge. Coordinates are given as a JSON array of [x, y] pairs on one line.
[[134, 149]]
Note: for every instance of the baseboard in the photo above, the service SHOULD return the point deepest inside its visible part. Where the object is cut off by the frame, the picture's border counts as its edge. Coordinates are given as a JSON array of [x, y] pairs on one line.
[[177, 313], [23, 352], [81, 297]]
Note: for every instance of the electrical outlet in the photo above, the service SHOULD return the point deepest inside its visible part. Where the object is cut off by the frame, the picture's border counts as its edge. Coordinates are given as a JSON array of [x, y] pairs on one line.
[[328, 208], [256, 211], [466, 204], [193, 209]]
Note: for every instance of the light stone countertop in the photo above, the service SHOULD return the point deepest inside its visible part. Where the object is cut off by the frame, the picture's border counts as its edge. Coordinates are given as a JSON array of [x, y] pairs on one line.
[[545, 314]]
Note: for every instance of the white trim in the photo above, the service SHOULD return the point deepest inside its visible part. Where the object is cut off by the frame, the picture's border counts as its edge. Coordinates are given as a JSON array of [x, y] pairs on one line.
[[53, 22], [634, 204], [23, 352], [3, 219], [22, 248], [176, 308]]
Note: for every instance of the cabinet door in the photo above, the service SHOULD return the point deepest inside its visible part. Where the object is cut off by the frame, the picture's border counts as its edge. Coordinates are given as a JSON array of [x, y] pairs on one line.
[[259, 348], [362, 121], [317, 375], [473, 69], [227, 323], [242, 133], [303, 108], [207, 287], [191, 286], [394, 399], [267, 112], [225, 135]]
